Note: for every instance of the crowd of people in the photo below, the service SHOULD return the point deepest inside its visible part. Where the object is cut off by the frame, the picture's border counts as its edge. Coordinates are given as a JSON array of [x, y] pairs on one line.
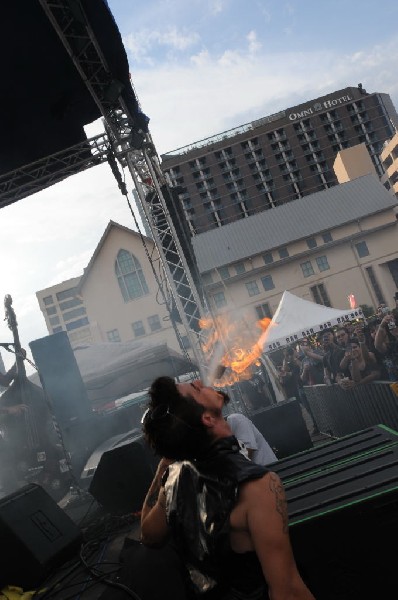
[[350, 355]]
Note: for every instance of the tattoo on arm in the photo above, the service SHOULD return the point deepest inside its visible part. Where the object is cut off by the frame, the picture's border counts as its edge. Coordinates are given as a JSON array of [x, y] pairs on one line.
[[277, 488]]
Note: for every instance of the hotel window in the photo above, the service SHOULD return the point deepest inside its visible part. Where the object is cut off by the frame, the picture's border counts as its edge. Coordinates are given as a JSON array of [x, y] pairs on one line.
[[252, 288], [224, 272], [138, 328], [54, 321], [130, 276], [154, 323], [375, 285], [268, 258], [311, 242], [72, 314], [219, 299], [327, 237], [52, 310], [320, 294], [263, 310], [76, 324], [240, 268], [387, 162], [70, 293], [362, 249], [113, 335], [57, 329], [267, 282], [322, 263], [307, 269], [283, 252], [70, 303], [48, 300]]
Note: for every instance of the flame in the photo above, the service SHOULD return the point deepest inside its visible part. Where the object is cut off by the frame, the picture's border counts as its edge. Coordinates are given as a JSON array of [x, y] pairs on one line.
[[234, 343], [352, 301]]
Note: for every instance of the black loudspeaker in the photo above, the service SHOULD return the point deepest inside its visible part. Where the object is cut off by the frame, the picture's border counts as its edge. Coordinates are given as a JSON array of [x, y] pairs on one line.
[[344, 523], [36, 537], [122, 478], [338, 451], [283, 427], [61, 378]]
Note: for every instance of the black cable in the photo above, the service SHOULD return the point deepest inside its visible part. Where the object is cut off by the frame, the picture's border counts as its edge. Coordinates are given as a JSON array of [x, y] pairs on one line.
[[110, 582]]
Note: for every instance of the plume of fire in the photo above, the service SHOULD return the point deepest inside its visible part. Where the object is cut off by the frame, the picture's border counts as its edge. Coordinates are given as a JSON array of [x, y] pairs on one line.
[[352, 301], [235, 345]]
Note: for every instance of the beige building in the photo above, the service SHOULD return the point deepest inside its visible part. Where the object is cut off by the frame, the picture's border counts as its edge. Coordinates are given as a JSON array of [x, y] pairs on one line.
[[117, 299], [323, 248], [352, 163], [389, 159]]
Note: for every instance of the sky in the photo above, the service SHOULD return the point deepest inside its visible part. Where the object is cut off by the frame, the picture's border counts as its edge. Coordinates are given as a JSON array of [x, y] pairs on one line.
[[199, 67]]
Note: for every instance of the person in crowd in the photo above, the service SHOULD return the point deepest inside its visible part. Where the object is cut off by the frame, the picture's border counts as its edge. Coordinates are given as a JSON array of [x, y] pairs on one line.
[[332, 358], [386, 342], [366, 333], [311, 363], [363, 367], [342, 337], [289, 374], [258, 449], [292, 383], [225, 515]]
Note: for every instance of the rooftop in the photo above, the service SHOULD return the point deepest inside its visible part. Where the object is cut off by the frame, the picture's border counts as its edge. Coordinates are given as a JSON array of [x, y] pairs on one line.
[[290, 222]]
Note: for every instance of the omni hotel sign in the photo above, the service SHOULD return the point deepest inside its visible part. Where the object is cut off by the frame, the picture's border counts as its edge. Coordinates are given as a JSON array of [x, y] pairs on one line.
[[318, 106]]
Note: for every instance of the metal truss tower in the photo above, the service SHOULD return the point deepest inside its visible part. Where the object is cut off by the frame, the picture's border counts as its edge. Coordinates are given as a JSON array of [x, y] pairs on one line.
[[133, 147]]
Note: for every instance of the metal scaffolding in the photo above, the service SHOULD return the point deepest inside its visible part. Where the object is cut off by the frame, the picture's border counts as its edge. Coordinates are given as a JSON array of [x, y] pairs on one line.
[[43, 173], [133, 147]]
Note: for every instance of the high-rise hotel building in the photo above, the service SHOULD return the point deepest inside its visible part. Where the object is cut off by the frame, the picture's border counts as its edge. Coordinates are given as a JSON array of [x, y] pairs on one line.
[[279, 158]]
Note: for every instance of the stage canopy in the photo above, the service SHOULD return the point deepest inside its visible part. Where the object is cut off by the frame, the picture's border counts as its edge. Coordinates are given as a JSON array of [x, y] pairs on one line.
[[112, 370], [45, 101], [296, 318]]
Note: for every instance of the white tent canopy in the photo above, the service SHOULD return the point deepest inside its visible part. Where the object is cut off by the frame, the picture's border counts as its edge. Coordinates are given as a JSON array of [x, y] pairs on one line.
[[296, 318]]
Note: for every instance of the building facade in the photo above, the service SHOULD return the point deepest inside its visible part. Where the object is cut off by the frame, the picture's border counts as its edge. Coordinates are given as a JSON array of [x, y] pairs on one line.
[[352, 163], [117, 299], [389, 159], [279, 158], [322, 248]]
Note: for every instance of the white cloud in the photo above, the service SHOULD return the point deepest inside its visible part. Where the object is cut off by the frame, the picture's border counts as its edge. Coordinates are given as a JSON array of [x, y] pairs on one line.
[[141, 44], [254, 44], [215, 92], [216, 6]]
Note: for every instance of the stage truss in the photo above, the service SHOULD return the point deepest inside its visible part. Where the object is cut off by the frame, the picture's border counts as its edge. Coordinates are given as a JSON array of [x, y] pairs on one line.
[[125, 140]]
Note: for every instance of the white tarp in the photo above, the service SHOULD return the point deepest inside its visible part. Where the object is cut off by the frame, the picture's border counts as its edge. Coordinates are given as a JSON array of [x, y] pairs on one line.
[[296, 318]]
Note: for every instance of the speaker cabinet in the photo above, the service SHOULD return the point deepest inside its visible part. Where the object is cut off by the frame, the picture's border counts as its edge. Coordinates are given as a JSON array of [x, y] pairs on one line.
[[122, 478], [343, 515], [61, 378], [283, 427], [36, 537]]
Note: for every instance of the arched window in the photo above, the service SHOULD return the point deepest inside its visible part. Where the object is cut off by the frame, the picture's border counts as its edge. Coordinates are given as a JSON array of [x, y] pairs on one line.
[[130, 276]]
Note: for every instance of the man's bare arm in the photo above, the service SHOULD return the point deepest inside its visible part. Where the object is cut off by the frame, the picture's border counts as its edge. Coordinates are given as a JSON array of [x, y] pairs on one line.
[[154, 528], [267, 520]]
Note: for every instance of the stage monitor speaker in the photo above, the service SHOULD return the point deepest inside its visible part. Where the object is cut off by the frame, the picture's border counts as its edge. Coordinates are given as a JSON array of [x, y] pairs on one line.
[[344, 526], [36, 537], [342, 450], [283, 427], [61, 378], [122, 478]]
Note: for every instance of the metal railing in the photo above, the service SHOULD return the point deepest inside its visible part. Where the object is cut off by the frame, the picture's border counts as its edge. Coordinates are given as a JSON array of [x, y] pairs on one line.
[[340, 412]]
